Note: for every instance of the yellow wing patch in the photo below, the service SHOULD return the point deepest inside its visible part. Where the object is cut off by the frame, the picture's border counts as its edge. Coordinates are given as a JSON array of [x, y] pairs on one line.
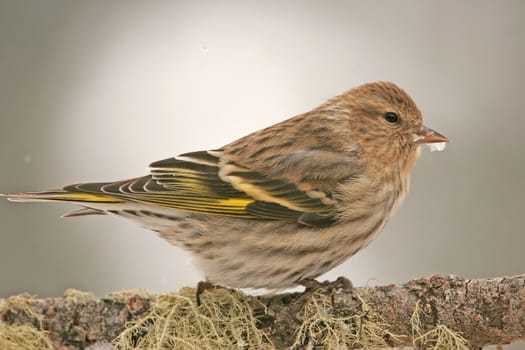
[[63, 196], [200, 182], [87, 197]]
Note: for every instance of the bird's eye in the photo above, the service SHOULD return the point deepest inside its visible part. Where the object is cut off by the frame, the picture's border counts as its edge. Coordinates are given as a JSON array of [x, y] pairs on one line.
[[391, 117]]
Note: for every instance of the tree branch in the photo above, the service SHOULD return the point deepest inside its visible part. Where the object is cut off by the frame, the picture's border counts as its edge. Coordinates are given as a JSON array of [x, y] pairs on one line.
[[484, 311]]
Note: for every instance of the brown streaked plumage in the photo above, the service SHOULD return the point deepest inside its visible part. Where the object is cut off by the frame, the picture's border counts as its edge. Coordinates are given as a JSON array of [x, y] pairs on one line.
[[283, 204]]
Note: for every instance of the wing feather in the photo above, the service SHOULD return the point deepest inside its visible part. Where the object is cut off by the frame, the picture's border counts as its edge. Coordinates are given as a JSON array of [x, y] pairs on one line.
[[205, 182]]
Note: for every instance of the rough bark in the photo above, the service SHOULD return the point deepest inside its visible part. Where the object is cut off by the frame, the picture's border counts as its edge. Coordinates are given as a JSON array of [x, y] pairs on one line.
[[485, 311]]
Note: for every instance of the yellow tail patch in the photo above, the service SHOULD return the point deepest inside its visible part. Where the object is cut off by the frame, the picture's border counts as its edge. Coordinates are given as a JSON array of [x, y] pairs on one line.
[[57, 196], [84, 197]]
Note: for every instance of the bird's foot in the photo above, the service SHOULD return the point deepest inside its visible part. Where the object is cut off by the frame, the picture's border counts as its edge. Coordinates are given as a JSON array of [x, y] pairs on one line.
[[340, 284], [203, 286], [344, 284]]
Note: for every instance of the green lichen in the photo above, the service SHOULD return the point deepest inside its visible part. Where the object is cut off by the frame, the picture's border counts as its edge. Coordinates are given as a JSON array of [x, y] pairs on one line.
[[26, 332], [331, 328], [21, 307], [123, 296], [23, 337], [224, 320], [77, 297], [438, 338]]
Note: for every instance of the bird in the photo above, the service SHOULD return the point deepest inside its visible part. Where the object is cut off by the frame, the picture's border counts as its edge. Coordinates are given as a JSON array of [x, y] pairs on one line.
[[284, 204]]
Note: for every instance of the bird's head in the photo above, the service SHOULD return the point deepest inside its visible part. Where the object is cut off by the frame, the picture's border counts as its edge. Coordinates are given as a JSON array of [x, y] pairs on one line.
[[387, 123]]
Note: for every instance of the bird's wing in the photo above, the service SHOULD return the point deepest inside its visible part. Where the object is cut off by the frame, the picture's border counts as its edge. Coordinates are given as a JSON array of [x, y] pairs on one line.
[[206, 182]]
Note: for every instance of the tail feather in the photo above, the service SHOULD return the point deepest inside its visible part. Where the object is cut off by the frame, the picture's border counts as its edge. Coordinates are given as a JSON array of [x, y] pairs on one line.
[[61, 196], [83, 212]]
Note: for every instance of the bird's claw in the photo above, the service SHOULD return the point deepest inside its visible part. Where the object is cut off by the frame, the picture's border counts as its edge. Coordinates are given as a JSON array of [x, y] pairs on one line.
[[340, 284], [203, 286]]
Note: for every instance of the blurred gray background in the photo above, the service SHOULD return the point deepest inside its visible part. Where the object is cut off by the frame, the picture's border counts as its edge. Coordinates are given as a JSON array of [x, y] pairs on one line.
[[95, 91]]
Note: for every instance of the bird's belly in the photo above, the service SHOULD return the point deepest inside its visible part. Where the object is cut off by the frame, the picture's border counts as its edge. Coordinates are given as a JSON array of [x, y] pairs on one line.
[[245, 253], [274, 255]]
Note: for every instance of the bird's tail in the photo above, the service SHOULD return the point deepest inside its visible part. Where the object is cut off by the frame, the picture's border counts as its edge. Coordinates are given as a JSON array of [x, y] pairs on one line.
[[93, 203], [61, 196]]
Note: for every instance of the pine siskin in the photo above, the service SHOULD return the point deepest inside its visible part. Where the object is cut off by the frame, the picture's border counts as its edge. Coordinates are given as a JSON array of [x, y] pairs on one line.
[[284, 204]]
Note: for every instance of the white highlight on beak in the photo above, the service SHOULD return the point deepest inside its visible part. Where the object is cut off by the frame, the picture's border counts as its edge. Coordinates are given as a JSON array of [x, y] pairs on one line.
[[437, 146]]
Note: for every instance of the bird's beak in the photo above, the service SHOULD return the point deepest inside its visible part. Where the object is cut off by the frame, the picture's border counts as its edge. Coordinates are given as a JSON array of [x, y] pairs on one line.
[[427, 135]]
